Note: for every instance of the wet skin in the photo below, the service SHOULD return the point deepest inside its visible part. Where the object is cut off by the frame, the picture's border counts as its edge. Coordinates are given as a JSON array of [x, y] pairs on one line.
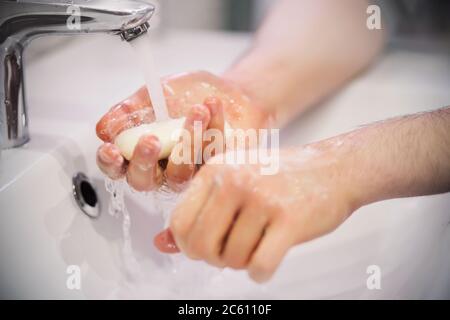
[[199, 96]]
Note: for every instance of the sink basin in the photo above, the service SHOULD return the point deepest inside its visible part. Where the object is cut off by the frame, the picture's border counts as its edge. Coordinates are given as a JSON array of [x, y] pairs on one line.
[[43, 231]]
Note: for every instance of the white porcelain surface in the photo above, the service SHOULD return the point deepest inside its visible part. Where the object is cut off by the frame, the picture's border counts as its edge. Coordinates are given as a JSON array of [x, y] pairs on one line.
[[68, 88]]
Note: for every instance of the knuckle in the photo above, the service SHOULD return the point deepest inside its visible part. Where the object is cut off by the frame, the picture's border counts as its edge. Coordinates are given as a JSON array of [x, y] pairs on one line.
[[232, 181], [277, 212], [285, 219], [263, 209]]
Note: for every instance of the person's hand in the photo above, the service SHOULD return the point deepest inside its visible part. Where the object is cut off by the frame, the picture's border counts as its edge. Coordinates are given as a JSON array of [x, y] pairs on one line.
[[232, 216], [199, 96]]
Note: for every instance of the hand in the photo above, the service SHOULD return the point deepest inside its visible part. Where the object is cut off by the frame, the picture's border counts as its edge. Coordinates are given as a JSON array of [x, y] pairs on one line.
[[234, 217], [199, 96]]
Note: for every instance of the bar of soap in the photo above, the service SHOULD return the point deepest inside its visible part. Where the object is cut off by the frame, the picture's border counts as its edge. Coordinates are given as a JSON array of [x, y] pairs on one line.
[[168, 133]]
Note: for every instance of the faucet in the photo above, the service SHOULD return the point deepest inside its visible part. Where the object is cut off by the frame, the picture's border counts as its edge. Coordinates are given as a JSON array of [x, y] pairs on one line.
[[24, 20]]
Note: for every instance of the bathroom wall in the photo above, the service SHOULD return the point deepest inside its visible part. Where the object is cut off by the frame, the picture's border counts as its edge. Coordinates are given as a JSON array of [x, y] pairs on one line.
[[235, 15], [419, 24]]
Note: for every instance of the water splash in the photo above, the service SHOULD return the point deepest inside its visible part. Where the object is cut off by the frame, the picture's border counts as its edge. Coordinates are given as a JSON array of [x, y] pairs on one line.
[[179, 277], [116, 208]]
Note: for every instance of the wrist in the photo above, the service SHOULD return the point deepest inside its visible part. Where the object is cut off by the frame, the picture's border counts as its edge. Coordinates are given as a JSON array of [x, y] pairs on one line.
[[251, 75], [353, 177], [284, 85]]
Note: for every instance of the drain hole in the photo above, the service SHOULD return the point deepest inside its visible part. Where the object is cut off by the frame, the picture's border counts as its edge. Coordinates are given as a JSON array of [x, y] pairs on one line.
[[85, 195], [88, 193]]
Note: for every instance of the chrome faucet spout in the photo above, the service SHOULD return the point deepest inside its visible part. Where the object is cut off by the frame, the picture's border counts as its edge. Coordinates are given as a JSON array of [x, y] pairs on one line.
[[22, 21]]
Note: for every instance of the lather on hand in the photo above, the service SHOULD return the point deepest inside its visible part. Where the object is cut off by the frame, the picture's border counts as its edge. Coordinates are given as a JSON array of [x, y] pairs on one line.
[[232, 216], [198, 96]]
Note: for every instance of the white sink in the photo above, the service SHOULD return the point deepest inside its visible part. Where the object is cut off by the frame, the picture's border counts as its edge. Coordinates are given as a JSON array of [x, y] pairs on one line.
[[43, 231]]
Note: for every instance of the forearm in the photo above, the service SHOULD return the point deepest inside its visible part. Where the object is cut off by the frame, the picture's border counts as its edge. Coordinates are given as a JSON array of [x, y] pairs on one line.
[[401, 157], [304, 51]]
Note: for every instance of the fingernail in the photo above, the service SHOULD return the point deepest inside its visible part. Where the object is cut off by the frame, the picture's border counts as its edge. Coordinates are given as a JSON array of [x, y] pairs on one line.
[[165, 242], [150, 145], [106, 158], [198, 116], [146, 150]]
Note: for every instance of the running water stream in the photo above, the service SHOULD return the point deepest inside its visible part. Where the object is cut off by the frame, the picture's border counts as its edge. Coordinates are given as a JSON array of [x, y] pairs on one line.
[[142, 47]]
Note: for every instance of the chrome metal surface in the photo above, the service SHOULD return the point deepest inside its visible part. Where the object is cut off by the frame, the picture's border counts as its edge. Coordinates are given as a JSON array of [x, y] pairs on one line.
[[133, 33], [85, 195], [22, 21]]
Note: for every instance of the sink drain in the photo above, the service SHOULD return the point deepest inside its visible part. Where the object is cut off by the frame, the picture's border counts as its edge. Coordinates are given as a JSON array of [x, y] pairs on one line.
[[85, 195]]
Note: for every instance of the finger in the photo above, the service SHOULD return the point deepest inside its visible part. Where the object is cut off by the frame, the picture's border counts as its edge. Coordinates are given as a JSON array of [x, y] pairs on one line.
[[182, 168], [214, 221], [185, 213], [244, 236], [165, 242], [215, 127], [110, 161], [268, 255], [131, 112], [143, 172], [215, 108]]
